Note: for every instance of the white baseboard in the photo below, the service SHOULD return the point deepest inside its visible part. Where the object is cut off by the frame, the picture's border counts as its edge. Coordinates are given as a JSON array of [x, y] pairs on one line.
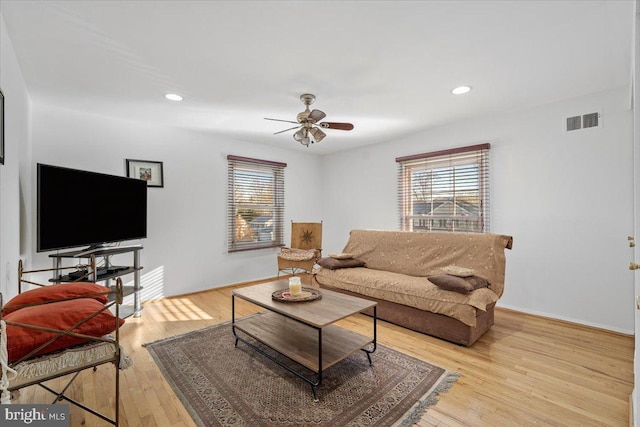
[[568, 319]]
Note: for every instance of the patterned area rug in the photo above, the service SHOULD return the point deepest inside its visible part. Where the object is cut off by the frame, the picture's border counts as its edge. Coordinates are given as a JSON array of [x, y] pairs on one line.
[[223, 385]]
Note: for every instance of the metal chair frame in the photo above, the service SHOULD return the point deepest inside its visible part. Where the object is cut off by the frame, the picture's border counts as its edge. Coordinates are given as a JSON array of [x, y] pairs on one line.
[[115, 296]]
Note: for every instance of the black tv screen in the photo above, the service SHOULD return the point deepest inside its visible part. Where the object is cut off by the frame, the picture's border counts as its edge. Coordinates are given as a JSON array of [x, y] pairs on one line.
[[77, 208]]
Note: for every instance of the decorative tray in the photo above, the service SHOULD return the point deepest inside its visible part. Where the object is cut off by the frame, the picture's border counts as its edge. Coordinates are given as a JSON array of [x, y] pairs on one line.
[[307, 294]]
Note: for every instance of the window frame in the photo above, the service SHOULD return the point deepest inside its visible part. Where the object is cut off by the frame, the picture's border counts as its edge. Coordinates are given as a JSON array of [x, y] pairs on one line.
[[439, 161], [235, 164]]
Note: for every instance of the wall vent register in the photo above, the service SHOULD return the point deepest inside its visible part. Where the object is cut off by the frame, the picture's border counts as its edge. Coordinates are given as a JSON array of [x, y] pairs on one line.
[[583, 122]]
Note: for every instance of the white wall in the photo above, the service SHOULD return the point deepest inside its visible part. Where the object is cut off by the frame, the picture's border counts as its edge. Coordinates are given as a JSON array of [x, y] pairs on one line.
[[17, 136], [566, 198], [187, 218]]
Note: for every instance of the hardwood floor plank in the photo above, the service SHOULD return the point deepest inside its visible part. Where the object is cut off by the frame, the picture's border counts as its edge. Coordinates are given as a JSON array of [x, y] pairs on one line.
[[527, 370]]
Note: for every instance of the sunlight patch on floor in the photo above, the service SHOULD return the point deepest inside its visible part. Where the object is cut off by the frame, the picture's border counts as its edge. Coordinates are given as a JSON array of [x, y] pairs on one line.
[[180, 309]]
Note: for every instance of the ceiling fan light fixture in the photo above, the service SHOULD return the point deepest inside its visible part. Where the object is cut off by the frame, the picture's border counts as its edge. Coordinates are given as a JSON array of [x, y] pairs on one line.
[[173, 97], [299, 136], [302, 137]]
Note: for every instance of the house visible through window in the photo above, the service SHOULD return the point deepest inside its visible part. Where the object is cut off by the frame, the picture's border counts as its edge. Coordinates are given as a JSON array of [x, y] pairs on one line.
[[445, 190], [255, 203]]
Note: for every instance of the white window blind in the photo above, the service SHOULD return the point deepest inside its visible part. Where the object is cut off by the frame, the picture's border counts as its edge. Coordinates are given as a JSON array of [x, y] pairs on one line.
[[445, 190], [255, 203]]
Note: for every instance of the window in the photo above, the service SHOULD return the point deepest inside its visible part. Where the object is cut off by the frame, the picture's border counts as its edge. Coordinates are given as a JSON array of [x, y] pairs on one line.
[[445, 190], [255, 203]]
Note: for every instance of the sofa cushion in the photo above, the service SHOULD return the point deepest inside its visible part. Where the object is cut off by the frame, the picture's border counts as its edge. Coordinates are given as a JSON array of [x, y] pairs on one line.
[[333, 263], [463, 285], [416, 292], [477, 282], [451, 283]]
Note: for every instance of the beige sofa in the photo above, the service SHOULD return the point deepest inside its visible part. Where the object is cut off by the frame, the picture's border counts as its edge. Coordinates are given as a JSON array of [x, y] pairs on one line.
[[395, 275]]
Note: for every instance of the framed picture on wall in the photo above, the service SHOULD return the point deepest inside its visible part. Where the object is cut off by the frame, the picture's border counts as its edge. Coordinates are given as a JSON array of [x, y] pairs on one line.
[[146, 170], [1, 128]]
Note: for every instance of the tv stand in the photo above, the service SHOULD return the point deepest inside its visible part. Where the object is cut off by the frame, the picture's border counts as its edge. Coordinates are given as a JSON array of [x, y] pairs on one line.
[[106, 272]]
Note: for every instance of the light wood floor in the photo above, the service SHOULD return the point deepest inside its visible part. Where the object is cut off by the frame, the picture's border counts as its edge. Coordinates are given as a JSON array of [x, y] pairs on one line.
[[525, 371]]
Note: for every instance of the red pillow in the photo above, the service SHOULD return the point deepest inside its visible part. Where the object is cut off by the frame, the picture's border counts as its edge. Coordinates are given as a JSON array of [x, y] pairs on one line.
[[60, 316], [57, 292]]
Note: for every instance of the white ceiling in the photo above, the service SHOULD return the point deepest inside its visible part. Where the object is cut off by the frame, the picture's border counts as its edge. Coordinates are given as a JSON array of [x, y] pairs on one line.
[[385, 66]]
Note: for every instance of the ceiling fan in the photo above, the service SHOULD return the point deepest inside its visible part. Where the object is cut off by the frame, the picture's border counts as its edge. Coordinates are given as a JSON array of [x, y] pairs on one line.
[[307, 124]]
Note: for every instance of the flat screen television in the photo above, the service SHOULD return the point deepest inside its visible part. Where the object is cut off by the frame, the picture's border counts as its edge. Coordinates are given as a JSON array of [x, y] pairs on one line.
[[82, 208]]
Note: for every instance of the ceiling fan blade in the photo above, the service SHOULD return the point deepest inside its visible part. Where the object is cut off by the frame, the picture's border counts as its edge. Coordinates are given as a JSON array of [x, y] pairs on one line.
[[317, 115], [279, 120], [334, 125], [317, 134], [287, 130]]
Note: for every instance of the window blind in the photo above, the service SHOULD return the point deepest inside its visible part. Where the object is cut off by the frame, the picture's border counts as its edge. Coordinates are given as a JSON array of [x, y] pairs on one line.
[[255, 201], [445, 190]]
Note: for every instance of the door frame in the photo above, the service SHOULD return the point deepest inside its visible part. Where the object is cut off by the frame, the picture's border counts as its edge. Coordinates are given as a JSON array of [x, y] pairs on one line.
[[635, 96]]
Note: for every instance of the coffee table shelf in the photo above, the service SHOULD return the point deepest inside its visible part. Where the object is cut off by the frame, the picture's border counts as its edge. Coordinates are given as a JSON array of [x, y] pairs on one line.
[[300, 343]]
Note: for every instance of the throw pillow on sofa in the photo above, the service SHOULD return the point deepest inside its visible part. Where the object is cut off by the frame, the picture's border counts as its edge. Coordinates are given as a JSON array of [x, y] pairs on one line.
[[455, 270], [341, 255], [334, 264], [462, 285]]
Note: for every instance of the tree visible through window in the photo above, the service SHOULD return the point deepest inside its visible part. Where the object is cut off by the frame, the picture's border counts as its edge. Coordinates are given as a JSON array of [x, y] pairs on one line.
[[445, 190], [255, 203]]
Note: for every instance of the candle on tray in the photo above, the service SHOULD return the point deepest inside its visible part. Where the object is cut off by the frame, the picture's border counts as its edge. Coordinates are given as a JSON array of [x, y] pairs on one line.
[[295, 286]]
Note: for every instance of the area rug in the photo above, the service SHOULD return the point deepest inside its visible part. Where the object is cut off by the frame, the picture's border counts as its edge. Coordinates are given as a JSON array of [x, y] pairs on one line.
[[224, 385]]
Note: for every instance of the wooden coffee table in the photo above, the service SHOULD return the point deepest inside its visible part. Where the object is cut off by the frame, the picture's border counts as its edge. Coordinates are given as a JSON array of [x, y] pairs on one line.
[[303, 331]]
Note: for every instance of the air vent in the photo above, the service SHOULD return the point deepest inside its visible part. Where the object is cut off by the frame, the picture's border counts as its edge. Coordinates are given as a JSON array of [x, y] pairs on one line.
[[590, 120], [574, 123], [583, 121]]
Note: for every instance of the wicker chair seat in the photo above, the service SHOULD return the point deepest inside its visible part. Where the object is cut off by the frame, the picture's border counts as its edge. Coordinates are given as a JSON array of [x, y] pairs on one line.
[[298, 254]]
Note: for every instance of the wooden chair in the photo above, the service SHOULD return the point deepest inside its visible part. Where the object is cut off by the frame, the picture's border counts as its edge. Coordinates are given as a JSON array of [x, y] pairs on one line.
[[305, 249]]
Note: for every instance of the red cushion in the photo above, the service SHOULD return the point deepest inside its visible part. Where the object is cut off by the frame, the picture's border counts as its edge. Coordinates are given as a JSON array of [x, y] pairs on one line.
[[57, 292], [57, 315]]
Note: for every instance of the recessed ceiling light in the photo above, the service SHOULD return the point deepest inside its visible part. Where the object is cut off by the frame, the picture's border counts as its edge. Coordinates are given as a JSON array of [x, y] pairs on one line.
[[173, 97], [460, 90]]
